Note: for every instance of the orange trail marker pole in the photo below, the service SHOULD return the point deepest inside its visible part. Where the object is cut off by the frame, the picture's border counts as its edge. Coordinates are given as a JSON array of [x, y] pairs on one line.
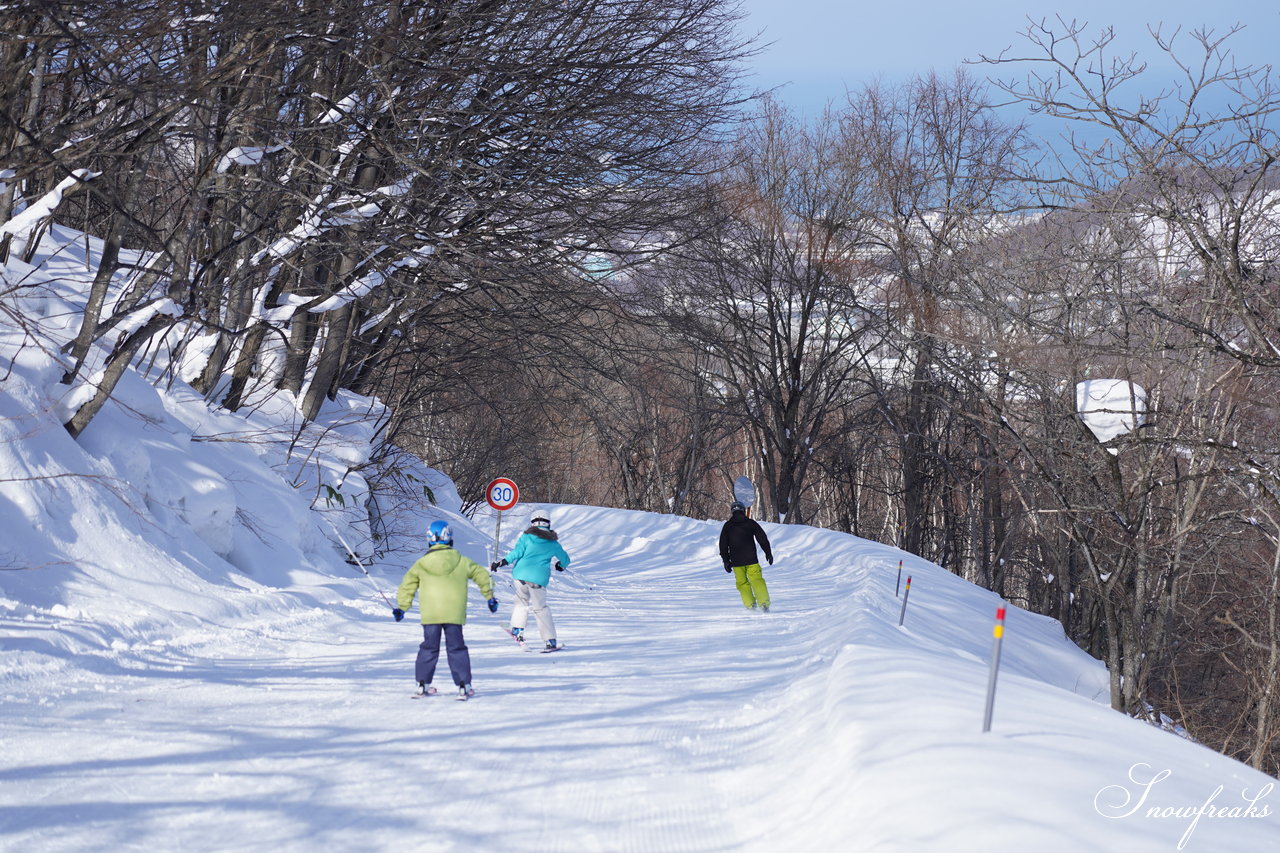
[[998, 637], [905, 595], [897, 587]]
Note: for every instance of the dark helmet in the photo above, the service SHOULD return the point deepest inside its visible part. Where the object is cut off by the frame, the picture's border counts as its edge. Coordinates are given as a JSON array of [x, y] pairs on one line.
[[737, 506], [439, 533]]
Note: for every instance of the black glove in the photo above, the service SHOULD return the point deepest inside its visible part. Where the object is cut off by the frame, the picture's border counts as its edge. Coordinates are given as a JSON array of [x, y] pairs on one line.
[[493, 567], [493, 605], [728, 568], [559, 568], [770, 559], [398, 613]]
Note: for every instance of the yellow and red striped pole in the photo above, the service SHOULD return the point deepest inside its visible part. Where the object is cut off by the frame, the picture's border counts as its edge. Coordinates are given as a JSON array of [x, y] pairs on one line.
[[997, 637], [905, 595]]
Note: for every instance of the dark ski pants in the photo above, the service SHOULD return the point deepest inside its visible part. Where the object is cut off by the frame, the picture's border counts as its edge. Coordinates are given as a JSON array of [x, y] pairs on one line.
[[429, 654]]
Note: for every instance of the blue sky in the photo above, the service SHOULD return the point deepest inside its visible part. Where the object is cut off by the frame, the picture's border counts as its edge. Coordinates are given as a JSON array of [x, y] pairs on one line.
[[820, 47]]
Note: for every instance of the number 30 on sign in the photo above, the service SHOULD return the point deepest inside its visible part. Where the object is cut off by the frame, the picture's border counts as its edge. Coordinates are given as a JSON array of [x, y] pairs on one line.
[[503, 494]]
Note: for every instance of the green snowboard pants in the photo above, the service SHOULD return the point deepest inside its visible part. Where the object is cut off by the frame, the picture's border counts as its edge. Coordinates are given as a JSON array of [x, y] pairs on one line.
[[750, 582]]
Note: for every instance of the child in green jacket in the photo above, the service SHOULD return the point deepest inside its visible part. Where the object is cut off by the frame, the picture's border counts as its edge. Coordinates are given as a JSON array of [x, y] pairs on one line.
[[440, 578]]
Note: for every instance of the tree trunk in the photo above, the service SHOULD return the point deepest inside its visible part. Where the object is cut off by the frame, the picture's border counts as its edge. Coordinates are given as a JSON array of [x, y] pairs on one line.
[[115, 367], [107, 266]]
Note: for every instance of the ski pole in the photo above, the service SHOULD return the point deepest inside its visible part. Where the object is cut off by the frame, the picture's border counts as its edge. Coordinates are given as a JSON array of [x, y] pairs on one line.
[[360, 564], [591, 589], [998, 635], [905, 595], [897, 587]]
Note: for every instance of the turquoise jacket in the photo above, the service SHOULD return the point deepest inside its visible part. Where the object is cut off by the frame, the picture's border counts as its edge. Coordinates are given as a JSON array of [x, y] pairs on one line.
[[440, 578], [531, 558]]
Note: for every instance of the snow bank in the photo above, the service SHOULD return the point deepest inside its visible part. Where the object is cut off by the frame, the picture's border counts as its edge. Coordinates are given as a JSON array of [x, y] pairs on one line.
[[166, 511]]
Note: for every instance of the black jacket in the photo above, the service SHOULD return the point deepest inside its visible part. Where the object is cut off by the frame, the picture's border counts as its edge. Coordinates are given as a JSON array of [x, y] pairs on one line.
[[738, 540]]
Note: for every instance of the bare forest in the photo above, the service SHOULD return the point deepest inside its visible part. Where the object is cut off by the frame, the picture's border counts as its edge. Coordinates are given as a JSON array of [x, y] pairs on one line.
[[563, 243]]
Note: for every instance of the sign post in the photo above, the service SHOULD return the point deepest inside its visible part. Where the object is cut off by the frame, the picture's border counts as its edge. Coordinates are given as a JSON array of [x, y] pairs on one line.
[[502, 494]]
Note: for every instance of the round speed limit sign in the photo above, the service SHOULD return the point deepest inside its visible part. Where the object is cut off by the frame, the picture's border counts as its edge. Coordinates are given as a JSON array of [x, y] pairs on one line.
[[502, 494]]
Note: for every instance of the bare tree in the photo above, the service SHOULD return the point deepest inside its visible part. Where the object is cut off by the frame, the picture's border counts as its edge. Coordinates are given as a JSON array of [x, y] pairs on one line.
[[770, 289], [944, 171]]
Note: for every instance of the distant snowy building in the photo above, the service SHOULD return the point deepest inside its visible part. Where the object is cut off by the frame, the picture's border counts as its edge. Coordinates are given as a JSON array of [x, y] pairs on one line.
[[1111, 407]]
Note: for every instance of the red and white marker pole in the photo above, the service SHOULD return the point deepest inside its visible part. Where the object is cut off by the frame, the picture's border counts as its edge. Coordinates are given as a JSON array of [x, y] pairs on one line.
[[905, 595], [998, 637]]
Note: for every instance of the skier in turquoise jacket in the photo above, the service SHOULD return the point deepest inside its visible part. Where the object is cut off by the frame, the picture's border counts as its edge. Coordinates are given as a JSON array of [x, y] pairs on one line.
[[536, 553]]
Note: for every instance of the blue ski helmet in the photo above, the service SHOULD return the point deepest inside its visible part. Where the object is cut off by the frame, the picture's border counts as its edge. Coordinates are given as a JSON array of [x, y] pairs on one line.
[[439, 533], [737, 506]]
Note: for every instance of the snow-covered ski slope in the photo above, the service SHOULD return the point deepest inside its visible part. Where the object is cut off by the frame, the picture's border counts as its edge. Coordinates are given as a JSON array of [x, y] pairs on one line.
[[675, 720]]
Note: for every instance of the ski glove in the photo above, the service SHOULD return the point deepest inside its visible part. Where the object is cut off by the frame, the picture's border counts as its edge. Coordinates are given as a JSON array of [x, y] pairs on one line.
[[493, 605], [493, 567], [559, 568], [728, 568], [398, 613]]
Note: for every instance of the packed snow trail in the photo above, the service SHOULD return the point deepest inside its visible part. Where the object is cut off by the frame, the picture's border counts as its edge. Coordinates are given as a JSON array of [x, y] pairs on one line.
[[294, 731], [675, 721]]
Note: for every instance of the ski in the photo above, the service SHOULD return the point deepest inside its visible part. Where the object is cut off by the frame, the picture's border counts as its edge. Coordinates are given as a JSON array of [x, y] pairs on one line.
[[519, 638], [528, 647]]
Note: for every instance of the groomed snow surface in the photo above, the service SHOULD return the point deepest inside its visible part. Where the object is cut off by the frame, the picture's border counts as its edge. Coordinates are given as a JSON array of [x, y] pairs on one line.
[[674, 720]]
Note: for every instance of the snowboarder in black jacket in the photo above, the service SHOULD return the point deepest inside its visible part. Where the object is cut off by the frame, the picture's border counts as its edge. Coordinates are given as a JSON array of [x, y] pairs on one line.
[[738, 540]]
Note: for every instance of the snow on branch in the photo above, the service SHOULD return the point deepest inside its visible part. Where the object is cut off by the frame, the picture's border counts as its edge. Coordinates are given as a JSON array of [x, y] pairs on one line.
[[366, 284], [313, 224], [22, 225], [340, 110], [290, 304], [246, 156]]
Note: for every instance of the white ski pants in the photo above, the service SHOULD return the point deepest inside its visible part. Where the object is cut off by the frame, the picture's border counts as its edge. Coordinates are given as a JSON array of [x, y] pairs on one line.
[[530, 596]]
